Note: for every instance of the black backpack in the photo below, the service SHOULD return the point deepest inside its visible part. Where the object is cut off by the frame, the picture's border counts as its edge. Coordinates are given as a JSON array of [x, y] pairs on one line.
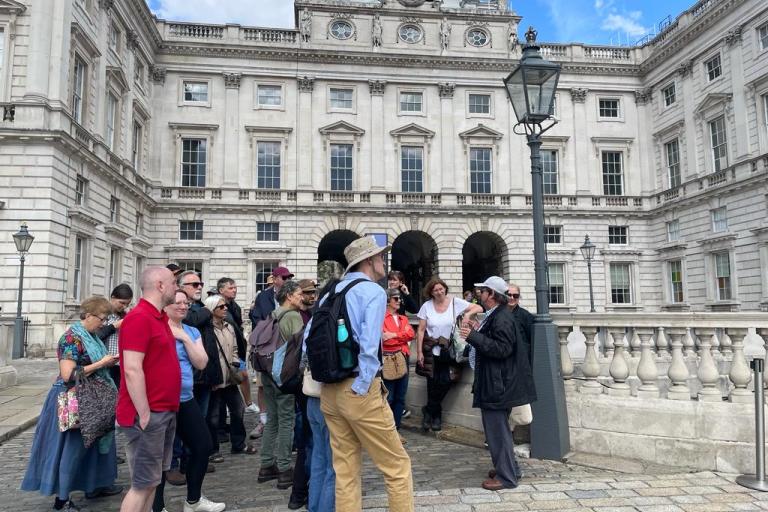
[[322, 344]]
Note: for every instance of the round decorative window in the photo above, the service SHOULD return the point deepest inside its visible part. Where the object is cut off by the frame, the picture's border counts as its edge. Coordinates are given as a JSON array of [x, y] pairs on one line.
[[411, 33], [477, 37], [342, 29]]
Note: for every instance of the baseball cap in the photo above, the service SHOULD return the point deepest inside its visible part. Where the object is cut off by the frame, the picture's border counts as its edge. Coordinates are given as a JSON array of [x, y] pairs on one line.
[[282, 272], [494, 283]]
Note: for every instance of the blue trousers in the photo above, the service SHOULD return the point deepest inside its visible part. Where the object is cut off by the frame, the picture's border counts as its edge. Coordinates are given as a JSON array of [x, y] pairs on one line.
[[396, 390], [322, 485]]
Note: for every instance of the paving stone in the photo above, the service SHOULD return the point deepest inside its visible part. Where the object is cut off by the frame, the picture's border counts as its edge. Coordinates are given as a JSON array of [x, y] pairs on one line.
[[480, 498], [650, 500], [548, 496], [605, 502], [689, 499], [629, 484], [661, 491], [621, 493], [552, 505], [615, 509], [587, 494], [659, 508]]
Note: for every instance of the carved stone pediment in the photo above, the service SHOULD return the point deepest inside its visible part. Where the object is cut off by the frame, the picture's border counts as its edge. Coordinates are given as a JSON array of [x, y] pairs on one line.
[[12, 7], [412, 130], [713, 100], [341, 127], [117, 74], [481, 131]]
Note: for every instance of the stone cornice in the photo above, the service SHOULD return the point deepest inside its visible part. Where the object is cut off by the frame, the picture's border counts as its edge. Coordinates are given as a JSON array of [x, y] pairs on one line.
[[256, 250], [188, 248], [718, 239], [315, 56], [397, 11], [672, 246], [141, 241], [80, 213], [117, 229]]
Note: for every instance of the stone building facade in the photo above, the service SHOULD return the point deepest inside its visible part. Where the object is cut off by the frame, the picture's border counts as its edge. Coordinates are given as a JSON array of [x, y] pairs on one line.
[[129, 141]]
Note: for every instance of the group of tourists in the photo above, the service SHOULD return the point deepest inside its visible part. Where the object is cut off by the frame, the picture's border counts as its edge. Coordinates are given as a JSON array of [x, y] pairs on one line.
[[177, 365]]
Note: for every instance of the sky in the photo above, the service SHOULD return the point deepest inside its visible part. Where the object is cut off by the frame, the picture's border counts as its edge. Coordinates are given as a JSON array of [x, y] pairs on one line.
[[557, 21]]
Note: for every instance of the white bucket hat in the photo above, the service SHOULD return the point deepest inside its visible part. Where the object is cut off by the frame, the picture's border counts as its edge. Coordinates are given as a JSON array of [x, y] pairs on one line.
[[361, 249], [494, 283]]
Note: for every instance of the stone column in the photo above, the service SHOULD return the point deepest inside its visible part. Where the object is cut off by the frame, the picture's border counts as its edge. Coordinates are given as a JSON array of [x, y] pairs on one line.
[[447, 167], [231, 133], [686, 96], [740, 147], [39, 57], [307, 178], [644, 154], [60, 39], [581, 143], [378, 157]]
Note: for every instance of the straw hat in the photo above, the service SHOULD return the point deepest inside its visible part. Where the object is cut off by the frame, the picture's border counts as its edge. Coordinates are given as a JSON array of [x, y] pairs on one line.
[[361, 249]]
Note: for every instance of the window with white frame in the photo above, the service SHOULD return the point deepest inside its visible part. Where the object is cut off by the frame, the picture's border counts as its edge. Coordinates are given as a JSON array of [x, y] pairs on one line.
[[268, 231], [78, 89], [80, 258], [762, 36], [713, 67], [411, 102], [114, 37], [553, 234], [342, 99], [618, 235], [190, 230], [676, 294], [136, 141], [269, 95], [412, 168], [194, 158], [479, 103], [719, 144], [613, 175], [195, 92], [722, 261], [549, 171], [621, 283], [480, 170], [672, 154], [262, 272], [139, 71], [114, 209], [112, 108], [139, 228], [193, 265], [673, 230], [609, 108], [268, 164], [115, 267], [556, 278], [719, 220], [341, 167], [81, 188], [669, 94]]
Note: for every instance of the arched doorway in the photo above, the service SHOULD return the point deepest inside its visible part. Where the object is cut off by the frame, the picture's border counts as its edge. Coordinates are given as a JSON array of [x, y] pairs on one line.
[[330, 253], [483, 255], [414, 253]]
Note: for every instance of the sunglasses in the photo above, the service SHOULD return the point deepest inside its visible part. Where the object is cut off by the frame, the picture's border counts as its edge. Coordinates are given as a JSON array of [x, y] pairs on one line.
[[221, 306], [198, 284], [513, 295], [395, 298]]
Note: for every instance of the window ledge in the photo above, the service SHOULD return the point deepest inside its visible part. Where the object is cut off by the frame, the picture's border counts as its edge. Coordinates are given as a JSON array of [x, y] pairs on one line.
[[676, 306], [189, 248], [672, 246], [622, 307], [723, 305], [718, 238]]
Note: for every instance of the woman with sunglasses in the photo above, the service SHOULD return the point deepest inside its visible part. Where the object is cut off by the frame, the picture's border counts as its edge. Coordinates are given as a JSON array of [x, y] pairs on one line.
[[228, 391], [191, 427], [396, 339]]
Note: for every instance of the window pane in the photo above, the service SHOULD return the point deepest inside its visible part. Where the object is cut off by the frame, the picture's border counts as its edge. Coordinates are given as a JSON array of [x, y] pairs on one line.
[[341, 166], [673, 230], [719, 144], [617, 235], [268, 231], [549, 171], [609, 108], [190, 230], [263, 271], [762, 33], [412, 168], [553, 234], [672, 150], [556, 277], [676, 280], [111, 120], [77, 285], [669, 94], [479, 104], [410, 101], [269, 95], [268, 165], [723, 275], [620, 283], [480, 170], [193, 162], [613, 183], [720, 220], [78, 90], [196, 91], [341, 98], [713, 68]]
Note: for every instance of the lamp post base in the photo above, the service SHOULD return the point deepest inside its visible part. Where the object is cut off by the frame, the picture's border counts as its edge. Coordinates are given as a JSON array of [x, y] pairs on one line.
[[752, 482], [550, 437], [18, 338]]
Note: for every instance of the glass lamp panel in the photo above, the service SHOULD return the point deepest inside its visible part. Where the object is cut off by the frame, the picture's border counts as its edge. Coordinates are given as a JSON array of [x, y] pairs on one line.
[[23, 239], [540, 85], [516, 92]]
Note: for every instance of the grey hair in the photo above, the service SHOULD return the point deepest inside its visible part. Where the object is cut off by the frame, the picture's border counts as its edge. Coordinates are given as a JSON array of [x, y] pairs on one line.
[[212, 301], [500, 298], [289, 288], [513, 285], [184, 274]]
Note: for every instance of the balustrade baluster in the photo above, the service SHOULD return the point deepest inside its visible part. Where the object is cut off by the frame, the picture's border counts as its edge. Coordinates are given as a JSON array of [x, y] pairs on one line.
[[662, 344], [715, 344], [591, 366], [566, 365], [707, 373], [646, 369], [608, 342], [688, 343], [726, 344], [740, 374], [619, 368], [678, 371], [635, 343]]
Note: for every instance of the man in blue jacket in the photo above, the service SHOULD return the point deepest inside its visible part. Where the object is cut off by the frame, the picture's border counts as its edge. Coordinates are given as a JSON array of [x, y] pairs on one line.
[[265, 301]]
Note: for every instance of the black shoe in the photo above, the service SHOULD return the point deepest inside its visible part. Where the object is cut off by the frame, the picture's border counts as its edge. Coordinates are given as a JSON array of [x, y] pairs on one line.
[[296, 503], [103, 492], [211, 468], [285, 479], [426, 419], [267, 474], [69, 506], [437, 424]]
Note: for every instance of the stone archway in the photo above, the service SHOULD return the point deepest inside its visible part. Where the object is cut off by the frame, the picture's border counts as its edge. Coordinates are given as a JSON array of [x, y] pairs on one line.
[[414, 253], [483, 255], [330, 253]]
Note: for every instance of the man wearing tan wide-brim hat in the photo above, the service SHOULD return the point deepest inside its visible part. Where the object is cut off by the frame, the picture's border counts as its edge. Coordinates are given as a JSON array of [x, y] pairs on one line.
[[356, 409]]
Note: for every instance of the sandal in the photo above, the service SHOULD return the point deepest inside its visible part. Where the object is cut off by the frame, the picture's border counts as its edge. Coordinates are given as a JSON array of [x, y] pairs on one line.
[[248, 450]]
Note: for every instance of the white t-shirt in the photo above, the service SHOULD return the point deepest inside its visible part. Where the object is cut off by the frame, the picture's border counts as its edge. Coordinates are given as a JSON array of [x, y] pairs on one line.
[[441, 324]]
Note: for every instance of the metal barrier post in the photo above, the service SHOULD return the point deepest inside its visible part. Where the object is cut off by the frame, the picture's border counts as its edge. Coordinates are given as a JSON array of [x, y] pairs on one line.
[[757, 481]]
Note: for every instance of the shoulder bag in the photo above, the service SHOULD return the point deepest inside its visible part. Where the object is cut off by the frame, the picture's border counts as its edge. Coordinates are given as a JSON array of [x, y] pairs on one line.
[[67, 407], [234, 377], [96, 401], [310, 386]]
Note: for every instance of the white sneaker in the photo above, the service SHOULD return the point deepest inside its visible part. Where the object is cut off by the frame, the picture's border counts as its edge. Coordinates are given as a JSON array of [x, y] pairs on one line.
[[204, 505], [253, 408]]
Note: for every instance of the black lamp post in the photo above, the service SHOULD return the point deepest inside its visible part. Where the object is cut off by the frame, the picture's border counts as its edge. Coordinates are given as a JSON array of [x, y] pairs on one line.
[[531, 89], [23, 241], [588, 251]]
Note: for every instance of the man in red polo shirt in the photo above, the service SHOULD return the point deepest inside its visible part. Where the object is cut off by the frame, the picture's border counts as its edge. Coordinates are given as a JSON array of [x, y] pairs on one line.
[[150, 388]]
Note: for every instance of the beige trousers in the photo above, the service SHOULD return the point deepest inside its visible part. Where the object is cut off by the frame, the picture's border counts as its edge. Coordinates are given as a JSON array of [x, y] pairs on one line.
[[356, 422]]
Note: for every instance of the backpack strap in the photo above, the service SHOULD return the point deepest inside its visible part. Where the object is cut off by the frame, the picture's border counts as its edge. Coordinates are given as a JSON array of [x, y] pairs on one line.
[[341, 294]]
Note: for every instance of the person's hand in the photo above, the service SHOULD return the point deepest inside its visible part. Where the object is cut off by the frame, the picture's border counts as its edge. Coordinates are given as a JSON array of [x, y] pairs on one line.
[[117, 324], [144, 421], [404, 289], [388, 335], [420, 359], [108, 361], [464, 330]]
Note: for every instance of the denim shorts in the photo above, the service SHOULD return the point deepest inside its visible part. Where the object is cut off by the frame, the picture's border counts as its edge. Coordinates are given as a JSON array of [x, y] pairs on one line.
[[149, 450]]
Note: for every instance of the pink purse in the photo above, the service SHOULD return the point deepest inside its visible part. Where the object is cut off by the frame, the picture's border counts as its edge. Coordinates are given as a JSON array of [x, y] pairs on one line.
[[68, 409]]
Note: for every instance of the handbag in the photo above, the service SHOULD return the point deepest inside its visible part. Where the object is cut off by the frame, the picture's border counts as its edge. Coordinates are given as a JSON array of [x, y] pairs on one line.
[[96, 402], [394, 365], [521, 415], [310, 386], [234, 377], [67, 408]]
